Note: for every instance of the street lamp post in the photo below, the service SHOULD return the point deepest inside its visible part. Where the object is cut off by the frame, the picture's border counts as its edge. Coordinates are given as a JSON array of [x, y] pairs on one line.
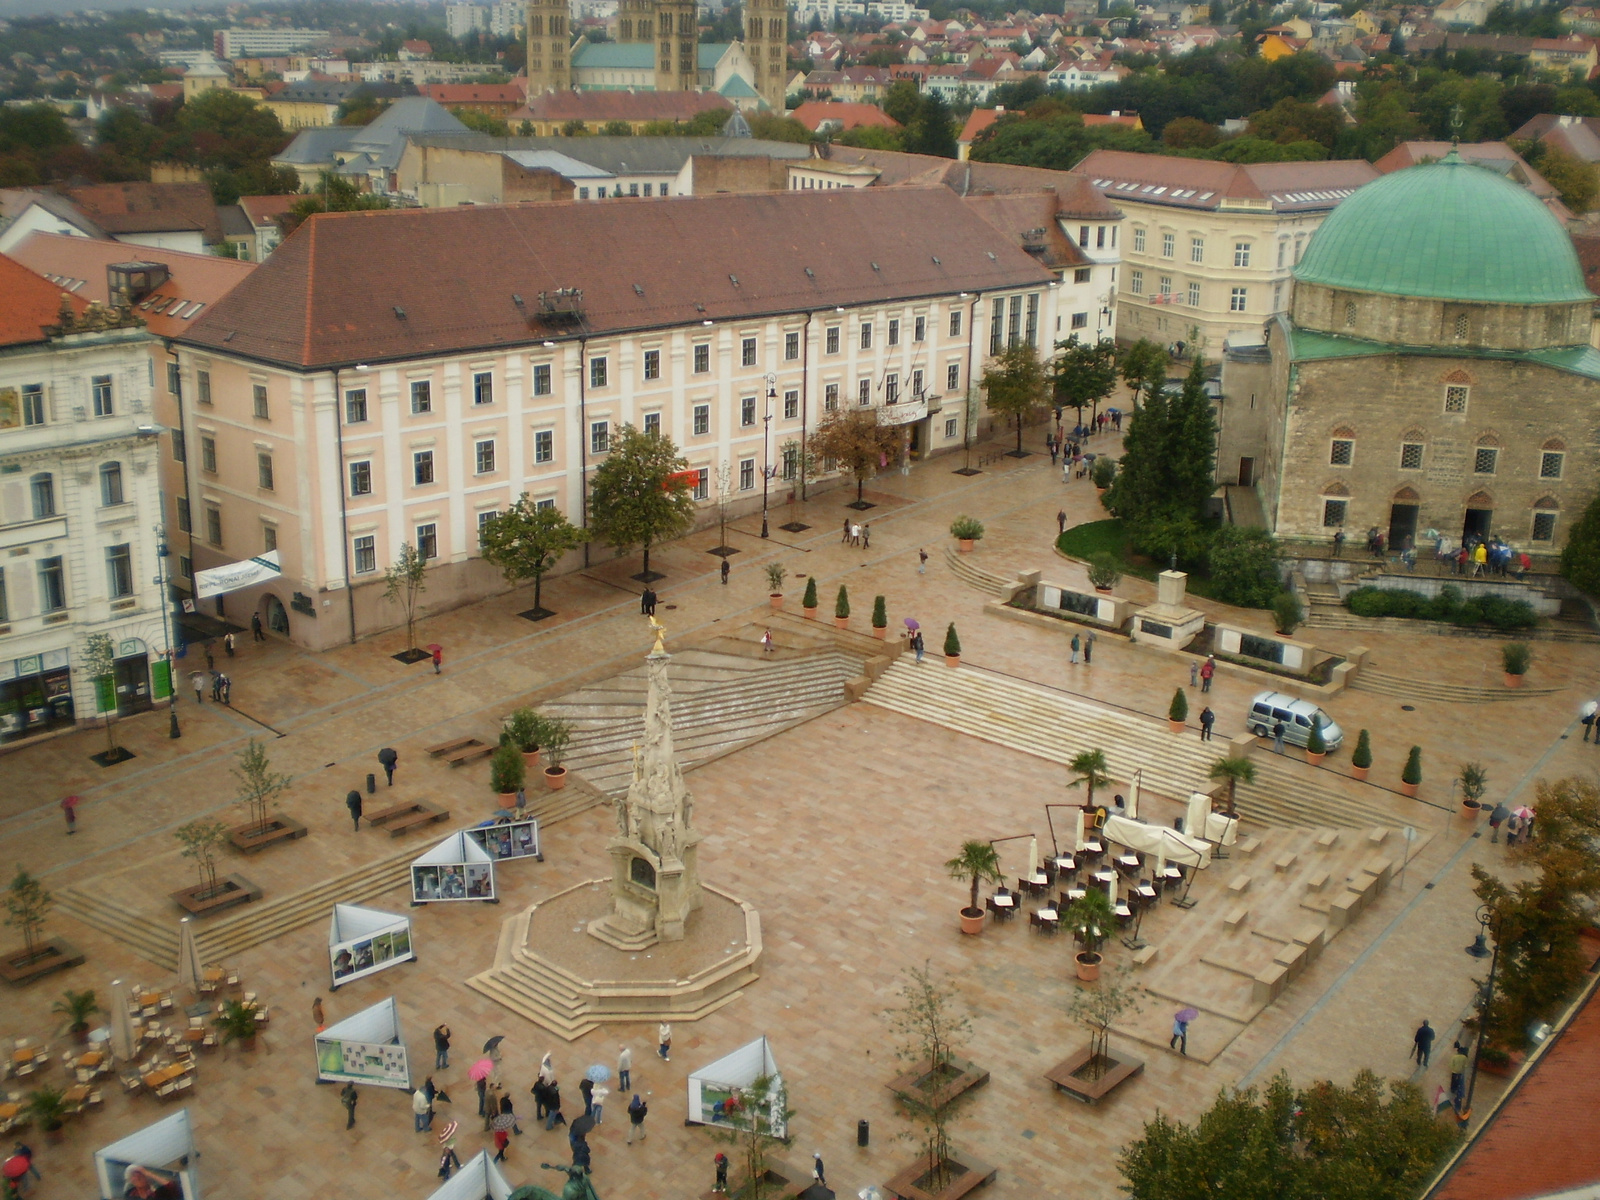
[[766, 447], [1486, 916], [162, 552]]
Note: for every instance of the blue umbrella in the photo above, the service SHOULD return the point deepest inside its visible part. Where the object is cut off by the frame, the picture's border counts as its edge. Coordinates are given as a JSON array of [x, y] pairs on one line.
[[598, 1073]]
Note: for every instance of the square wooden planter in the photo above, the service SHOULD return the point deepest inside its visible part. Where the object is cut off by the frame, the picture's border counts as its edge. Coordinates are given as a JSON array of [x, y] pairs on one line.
[[235, 889], [247, 840], [53, 954], [972, 1174], [960, 1076], [1091, 1091]]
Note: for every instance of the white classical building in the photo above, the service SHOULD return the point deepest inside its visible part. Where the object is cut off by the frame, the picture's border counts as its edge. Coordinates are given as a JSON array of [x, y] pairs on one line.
[[349, 400], [80, 501]]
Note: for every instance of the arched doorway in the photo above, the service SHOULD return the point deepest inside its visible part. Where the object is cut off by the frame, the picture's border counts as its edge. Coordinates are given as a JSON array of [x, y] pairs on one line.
[[277, 616], [1403, 510], [1479, 517]]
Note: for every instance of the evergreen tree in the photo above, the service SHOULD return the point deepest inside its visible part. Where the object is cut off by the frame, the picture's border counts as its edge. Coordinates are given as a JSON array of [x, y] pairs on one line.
[[1580, 559], [1192, 444]]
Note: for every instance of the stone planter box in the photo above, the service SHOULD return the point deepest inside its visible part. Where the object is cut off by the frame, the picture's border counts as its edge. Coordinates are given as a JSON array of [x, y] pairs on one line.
[[783, 1183], [51, 955], [235, 889], [1506, 1069], [247, 840], [970, 1175], [1091, 1091], [960, 1076]]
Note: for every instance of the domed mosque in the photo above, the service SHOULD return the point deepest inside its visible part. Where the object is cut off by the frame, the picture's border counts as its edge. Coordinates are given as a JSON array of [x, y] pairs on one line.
[[1433, 372]]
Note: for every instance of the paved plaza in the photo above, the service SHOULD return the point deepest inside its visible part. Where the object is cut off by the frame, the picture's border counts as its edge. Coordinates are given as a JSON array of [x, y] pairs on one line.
[[835, 829]]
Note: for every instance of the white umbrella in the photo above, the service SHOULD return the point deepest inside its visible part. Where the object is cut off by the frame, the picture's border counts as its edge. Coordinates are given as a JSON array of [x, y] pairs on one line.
[[188, 957], [121, 1025], [1133, 795], [1078, 842], [1195, 822], [1161, 863], [1033, 856], [1111, 889]]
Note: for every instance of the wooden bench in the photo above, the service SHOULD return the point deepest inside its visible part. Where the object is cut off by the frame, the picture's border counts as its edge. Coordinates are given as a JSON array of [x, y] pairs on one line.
[[1248, 845], [401, 818], [1377, 835], [1268, 983], [1144, 957], [1344, 909], [446, 747], [1328, 839], [1284, 861], [1239, 883], [1291, 958], [1317, 882], [465, 754], [1236, 918]]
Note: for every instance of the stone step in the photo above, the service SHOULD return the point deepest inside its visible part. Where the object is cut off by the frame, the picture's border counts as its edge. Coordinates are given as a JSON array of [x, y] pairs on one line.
[[1055, 725], [1368, 680], [150, 940], [964, 569]]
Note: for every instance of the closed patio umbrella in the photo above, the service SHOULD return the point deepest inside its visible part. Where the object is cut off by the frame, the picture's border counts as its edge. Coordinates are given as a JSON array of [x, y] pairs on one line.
[[1077, 840], [1133, 795], [188, 957], [121, 1026], [1033, 856]]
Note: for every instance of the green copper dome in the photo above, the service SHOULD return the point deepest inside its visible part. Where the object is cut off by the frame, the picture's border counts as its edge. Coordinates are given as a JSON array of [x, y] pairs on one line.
[[1447, 230]]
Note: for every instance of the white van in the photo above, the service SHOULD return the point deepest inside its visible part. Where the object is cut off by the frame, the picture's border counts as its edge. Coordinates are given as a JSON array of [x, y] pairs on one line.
[[1268, 708]]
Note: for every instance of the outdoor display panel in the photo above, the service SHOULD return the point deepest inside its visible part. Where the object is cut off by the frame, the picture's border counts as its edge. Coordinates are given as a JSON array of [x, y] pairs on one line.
[[713, 1087], [478, 1179], [456, 869], [362, 941], [501, 840], [158, 1162], [366, 1048]]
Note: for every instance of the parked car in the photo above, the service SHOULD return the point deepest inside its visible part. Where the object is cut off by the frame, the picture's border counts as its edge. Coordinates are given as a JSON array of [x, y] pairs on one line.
[[1268, 708]]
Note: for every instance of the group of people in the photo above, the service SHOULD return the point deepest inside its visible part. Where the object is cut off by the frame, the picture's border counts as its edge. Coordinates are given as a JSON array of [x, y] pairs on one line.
[[856, 534], [221, 686], [1475, 555]]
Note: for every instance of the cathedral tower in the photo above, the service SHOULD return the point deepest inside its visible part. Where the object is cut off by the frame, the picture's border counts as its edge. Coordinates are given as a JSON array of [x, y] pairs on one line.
[[549, 61], [766, 38], [636, 20], [677, 39]]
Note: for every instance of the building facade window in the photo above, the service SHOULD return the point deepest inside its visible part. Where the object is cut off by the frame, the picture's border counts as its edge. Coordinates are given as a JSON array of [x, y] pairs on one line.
[[891, 389], [949, 427], [1333, 512], [264, 470], [484, 518], [952, 377], [422, 468], [52, 585], [269, 538], [652, 424], [702, 484], [1544, 527], [544, 446], [1169, 245], [747, 352], [747, 474], [702, 357], [894, 331], [1194, 295], [355, 406], [361, 478], [1349, 312], [1238, 298], [597, 372], [864, 391], [997, 326], [119, 571], [1138, 239], [916, 383], [1083, 275], [483, 387], [599, 437], [1136, 282], [1197, 250], [702, 420], [1241, 254], [866, 335], [174, 377], [213, 525], [185, 566], [202, 386], [1455, 399], [1484, 460], [33, 404], [1550, 464], [541, 380], [1030, 331], [1411, 456], [955, 322], [43, 486], [110, 483], [366, 555], [1461, 326], [208, 454], [258, 401], [830, 340], [422, 396], [1343, 451], [652, 364], [747, 411], [100, 387], [919, 330], [483, 456], [830, 397], [791, 405], [185, 522], [1014, 324], [791, 347], [1166, 288], [427, 541], [791, 462]]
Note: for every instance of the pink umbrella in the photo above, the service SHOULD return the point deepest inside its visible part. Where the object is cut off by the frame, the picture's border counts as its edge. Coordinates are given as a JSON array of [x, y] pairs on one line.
[[1187, 1014], [1522, 813], [912, 624], [481, 1069]]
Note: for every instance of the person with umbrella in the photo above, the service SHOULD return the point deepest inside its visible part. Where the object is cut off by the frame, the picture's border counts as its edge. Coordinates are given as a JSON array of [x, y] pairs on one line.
[[1180, 1030], [352, 801], [447, 1157], [387, 757], [502, 1125], [438, 657], [69, 806], [479, 1073], [492, 1047]]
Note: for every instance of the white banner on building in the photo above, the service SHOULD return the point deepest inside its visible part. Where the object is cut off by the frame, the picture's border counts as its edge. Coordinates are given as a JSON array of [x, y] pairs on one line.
[[231, 578]]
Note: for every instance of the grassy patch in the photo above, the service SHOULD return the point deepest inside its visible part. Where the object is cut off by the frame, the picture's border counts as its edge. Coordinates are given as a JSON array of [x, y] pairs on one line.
[[1109, 537]]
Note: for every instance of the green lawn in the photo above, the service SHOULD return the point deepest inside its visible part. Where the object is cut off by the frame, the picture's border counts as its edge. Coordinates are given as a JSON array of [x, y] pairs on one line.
[[1108, 537]]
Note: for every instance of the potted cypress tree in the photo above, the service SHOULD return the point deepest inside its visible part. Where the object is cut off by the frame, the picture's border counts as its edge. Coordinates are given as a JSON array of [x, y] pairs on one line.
[[557, 737], [1516, 657], [967, 531], [1361, 759], [1090, 918], [1178, 711], [775, 577], [1474, 783], [522, 728], [952, 647], [507, 771], [809, 604], [1411, 777], [880, 618], [977, 862], [1316, 744], [841, 609]]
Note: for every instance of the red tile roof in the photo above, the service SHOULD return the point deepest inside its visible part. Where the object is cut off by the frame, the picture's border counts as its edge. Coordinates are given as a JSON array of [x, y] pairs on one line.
[[1588, 249], [32, 302], [150, 208], [979, 120], [620, 106], [261, 209], [1204, 184], [471, 93], [813, 113], [196, 280], [1029, 219], [1077, 197], [329, 294]]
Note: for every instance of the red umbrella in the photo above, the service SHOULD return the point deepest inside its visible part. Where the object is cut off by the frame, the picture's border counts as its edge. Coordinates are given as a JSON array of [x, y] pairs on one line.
[[481, 1069], [15, 1167], [435, 648]]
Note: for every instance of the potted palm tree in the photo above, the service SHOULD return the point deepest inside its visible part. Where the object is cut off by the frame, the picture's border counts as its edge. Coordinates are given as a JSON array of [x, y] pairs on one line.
[[1178, 711], [966, 530], [522, 729], [809, 604], [977, 862], [880, 618], [507, 772], [48, 1108], [1474, 783], [236, 1022], [841, 608], [557, 737], [77, 1007], [1090, 918], [1316, 744], [1236, 769], [775, 577], [1411, 776], [1516, 657], [952, 647], [1361, 758], [1089, 768]]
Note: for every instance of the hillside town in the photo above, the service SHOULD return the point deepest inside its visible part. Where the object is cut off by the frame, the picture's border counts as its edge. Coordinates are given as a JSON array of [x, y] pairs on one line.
[[1134, 461]]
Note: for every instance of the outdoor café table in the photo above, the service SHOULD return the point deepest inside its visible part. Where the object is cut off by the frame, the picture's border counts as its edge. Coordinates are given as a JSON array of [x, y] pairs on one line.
[[8, 1111], [76, 1095], [1123, 910], [1104, 876], [1092, 847], [27, 1054], [1004, 901], [164, 1075], [1039, 879], [90, 1060], [1127, 860], [1049, 914], [1077, 893], [194, 1035], [1064, 863], [1148, 892], [213, 975]]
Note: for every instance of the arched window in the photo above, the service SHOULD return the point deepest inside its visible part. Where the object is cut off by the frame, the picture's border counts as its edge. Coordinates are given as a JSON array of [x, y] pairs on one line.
[[1461, 327], [1349, 312]]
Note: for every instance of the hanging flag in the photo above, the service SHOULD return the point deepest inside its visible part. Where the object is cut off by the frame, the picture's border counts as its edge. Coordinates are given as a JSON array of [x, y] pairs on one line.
[[216, 580]]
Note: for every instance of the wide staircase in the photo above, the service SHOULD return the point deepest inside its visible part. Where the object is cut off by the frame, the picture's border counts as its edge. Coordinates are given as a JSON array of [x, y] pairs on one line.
[[1368, 680], [1057, 725], [964, 569]]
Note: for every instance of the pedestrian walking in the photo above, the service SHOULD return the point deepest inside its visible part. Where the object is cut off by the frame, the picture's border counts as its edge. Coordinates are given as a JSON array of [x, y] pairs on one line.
[[819, 1173], [1496, 819], [725, 571], [1338, 543], [1207, 670], [721, 1161], [1586, 715], [438, 660], [917, 644], [580, 1152], [387, 757], [216, 686], [1422, 1043], [638, 1110], [69, 806], [318, 1019], [547, 1070], [422, 1110], [198, 679], [352, 801], [1088, 648], [1194, 674], [1207, 720], [1277, 738], [766, 642], [541, 1096], [855, 535], [211, 663], [1077, 648], [25, 1152], [1513, 829], [441, 1047], [347, 1097], [502, 1140], [1458, 1075], [448, 1161], [922, 562], [664, 1042], [625, 1068], [866, 537], [598, 1108], [1179, 1040], [256, 632], [846, 536], [552, 1104], [483, 1093], [227, 643], [508, 1109], [1061, 518], [227, 690], [586, 1087]]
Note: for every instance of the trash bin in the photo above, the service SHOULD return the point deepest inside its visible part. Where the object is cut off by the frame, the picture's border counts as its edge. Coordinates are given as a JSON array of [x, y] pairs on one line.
[[372, 784], [862, 1132]]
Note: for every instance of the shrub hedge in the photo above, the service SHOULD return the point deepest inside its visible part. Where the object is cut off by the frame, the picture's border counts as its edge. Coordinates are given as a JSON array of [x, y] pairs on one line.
[[1448, 606]]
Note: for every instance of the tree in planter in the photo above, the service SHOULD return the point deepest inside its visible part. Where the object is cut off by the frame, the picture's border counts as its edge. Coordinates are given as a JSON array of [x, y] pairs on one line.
[[810, 600], [99, 664], [640, 496], [403, 584], [1090, 918], [507, 769], [556, 736], [1178, 710], [77, 1007], [1084, 373], [1014, 382], [27, 905], [1315, 742], [236, 1022], [1089, 768], [952, 644], [841, 604], [526, 541], [1097, 1009], [763, 1114], [1474, 781], [977, 862], [1412, 773], [48, 1108], [931, 1033], [966, 529], [1103, 571], [1235, 769], [1580, 558], [200, 840], [1362, 756], [880, 613], [854, 439], [1287, 613], [259, 785], [776, 574], [521, 728], [1516, 658]]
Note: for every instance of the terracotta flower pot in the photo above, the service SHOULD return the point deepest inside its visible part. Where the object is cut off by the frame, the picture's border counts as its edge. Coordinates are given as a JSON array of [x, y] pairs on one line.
[[505, 799], [952, 660], [1087, 963], [1314, 759], [1470, 809], [1513, 681], [972, 920], [1359, 772], [555, 778], [776, 600], [530, 758], [880, 634], [1175, 726], [1409, 789], [810, 613], [1103, 591], [841, 622], [964, 545]]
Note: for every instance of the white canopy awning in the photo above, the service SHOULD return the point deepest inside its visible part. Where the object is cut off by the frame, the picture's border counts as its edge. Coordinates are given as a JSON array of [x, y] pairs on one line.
[[1158, 840], [455, 849], [352, 921]]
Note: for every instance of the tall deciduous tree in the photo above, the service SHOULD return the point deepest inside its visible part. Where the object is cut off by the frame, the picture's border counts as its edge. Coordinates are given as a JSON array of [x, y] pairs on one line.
[[27, 905], [99, 664], [931, 1032], [259, 784], [404, 583], [525, 541], [1014, 382], [1140, 363], [854, 439], [1085, 373], [639, 497]]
